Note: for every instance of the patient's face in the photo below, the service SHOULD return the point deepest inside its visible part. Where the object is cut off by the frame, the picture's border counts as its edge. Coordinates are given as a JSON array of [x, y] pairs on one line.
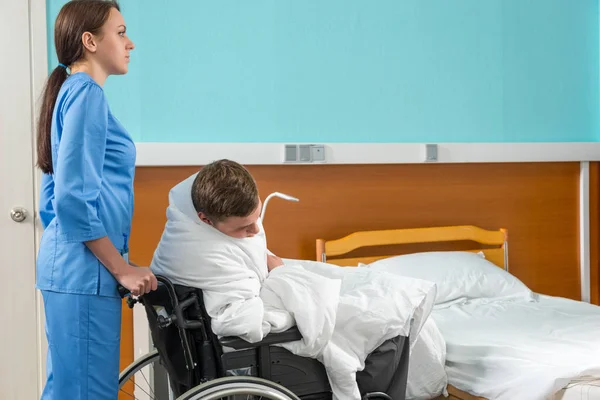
[[238, 227]]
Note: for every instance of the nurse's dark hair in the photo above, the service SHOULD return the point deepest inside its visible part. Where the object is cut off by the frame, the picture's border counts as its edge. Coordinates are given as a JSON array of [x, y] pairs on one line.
[[74, 19], [224, 189]]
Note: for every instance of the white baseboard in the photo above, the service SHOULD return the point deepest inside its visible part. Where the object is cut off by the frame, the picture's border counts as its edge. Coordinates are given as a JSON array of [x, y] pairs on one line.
[[192, 154]]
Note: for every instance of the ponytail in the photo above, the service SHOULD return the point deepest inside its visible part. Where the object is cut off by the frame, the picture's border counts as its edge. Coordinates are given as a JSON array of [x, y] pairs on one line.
[[44, 144]]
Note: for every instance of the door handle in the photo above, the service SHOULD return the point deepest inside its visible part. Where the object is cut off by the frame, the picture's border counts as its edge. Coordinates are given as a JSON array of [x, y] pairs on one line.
[[18, 214]]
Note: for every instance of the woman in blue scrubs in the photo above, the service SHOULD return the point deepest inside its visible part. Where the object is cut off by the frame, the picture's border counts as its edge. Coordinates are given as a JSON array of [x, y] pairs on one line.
[[86, 205]]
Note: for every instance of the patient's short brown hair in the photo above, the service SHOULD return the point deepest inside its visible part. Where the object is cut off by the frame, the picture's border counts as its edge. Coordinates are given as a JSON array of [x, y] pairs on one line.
[[224, 189]]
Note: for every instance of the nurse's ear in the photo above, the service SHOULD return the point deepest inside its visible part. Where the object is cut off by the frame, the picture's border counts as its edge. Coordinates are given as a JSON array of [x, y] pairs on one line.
[[204, 218], [89, 42]]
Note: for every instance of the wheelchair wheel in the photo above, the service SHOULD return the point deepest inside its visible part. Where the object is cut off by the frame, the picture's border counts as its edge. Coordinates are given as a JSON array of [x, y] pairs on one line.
[[137, 380], [239, 387]]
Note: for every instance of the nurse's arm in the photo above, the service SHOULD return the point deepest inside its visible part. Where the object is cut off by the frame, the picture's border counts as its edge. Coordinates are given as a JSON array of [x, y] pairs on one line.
[[79, 166], [137, 280], [108, 255]]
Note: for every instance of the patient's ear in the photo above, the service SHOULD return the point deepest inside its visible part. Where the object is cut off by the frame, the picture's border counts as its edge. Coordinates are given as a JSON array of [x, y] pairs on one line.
[[204, 218]]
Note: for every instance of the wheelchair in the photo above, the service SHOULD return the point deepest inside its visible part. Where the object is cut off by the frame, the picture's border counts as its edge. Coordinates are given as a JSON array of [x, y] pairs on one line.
[[197, 364]]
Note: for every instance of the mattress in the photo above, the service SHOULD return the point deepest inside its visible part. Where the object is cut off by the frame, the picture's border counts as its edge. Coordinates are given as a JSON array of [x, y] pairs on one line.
[[511, 349]]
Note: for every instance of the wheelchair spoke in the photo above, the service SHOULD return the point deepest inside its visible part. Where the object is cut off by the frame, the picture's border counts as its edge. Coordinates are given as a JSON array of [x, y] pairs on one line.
[[134, 382], [239, 388], [126, 393], [147, 383], [150, 396]]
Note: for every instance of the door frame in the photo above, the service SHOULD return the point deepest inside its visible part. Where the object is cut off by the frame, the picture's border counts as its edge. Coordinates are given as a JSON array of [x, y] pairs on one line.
[[35, 67], [39, 73]]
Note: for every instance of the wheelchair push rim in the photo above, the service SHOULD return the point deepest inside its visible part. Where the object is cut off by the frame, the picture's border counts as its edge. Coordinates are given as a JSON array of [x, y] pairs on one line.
[[141, 384], [226, 387], [221, 388], [137, 365]]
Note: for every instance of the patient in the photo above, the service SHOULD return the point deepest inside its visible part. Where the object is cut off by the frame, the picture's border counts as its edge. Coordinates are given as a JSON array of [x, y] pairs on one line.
[[349, 317], [226, 197], [213, 228]]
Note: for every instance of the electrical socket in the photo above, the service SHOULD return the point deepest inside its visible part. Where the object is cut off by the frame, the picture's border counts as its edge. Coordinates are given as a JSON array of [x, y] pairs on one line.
[[304, 153], [431, 152]]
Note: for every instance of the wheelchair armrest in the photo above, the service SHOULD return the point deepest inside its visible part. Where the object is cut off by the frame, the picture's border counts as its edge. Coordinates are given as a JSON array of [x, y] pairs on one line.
[[291, 335]]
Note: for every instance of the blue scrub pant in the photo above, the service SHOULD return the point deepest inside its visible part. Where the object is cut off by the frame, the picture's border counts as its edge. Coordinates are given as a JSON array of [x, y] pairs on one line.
[[84, 333]]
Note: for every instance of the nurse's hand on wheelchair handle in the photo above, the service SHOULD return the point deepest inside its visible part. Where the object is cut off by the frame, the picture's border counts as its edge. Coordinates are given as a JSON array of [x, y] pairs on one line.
[[138, 280]]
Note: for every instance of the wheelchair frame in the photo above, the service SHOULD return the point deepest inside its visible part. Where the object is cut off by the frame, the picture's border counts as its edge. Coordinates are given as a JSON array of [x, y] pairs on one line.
[[216, 385]]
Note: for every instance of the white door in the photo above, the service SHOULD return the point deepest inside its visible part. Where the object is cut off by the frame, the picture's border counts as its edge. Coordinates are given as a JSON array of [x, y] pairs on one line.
[[20, 339]]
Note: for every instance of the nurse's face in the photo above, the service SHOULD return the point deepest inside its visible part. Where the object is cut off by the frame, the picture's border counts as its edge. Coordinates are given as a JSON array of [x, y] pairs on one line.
[[114, 46], [237, 227]]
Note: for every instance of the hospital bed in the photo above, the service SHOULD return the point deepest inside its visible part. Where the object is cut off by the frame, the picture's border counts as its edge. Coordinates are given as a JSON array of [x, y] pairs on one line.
[[199, 365], [502, 331]]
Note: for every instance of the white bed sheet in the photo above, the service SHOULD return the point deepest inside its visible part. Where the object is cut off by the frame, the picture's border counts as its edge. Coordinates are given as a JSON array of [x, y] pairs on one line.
[[512, 349], [584, 389]]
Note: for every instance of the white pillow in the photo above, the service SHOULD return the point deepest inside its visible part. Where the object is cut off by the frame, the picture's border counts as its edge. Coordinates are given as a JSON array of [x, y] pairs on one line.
[[457, 274]]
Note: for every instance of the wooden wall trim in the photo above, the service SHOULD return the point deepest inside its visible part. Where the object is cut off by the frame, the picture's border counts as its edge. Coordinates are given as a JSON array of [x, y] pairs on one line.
[[537, 202]]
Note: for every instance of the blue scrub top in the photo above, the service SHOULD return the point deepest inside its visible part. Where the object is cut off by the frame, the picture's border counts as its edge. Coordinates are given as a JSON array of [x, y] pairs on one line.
[[90, 193]]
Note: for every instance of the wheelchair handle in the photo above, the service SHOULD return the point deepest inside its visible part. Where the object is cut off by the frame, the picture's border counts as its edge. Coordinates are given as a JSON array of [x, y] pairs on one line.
[[124, 292], [178, 308]]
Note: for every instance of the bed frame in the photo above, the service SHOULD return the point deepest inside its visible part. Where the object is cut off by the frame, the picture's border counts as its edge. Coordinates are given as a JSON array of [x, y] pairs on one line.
[[338, 248]]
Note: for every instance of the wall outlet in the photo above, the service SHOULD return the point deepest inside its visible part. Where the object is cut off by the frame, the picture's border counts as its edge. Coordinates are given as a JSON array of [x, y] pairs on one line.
[[304, 153], [431, 152], [317, 152], [291, 153]]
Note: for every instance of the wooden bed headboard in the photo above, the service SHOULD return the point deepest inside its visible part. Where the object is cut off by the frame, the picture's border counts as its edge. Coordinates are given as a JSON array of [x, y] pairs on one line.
[[339, 247], [498, 254]]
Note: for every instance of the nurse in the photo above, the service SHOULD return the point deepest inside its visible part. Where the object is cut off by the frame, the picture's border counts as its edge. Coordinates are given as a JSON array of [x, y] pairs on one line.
[[86, 205]]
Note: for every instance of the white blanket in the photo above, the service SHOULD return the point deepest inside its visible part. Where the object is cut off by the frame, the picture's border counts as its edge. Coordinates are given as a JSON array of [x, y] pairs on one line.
[[427, 378], [342, 313]]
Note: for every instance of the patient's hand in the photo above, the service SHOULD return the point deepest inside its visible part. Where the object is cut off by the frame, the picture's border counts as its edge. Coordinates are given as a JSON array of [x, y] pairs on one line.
[[273, 262]]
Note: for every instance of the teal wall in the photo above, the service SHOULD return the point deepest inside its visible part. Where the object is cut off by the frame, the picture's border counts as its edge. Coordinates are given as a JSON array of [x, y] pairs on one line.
[[358, 70]]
